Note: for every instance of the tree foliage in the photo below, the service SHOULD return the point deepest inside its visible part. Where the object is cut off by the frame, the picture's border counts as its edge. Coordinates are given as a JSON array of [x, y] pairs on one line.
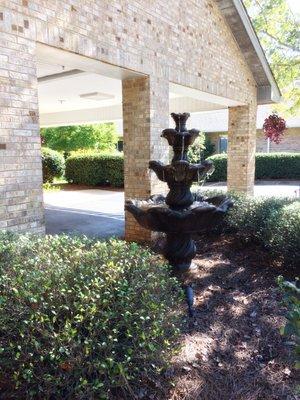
[[200, 149], [279, 33], [71, 138]]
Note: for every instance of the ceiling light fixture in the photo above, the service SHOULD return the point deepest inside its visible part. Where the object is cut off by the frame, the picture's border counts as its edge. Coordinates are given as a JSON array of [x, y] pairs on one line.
[[96, 96]]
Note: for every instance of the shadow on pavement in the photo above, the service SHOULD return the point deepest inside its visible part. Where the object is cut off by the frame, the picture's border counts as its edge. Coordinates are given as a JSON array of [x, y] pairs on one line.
[[83, 222]]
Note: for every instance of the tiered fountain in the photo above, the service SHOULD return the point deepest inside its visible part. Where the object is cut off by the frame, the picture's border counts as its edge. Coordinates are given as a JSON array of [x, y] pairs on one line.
[[181, 213]]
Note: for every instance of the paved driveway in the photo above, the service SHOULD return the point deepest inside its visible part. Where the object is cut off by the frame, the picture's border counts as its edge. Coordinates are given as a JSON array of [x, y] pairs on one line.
[[100, 213], [91, 212], [266, 188]]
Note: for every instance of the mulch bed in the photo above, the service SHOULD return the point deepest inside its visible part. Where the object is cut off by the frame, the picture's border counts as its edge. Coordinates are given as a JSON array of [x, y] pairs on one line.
[[232, 348]]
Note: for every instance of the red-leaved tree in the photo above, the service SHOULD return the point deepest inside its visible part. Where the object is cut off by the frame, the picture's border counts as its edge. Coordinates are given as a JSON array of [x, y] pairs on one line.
[[274, 127]]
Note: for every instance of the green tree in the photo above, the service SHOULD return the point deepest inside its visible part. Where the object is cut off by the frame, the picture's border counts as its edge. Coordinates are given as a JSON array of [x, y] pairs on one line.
[[279, 33], [200, 149], [105, 136], [76, 137]]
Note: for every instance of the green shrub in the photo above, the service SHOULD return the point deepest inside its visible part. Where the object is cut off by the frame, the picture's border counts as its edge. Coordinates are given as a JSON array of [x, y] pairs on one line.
[[220, 172], [253, 215], [200, 149], [53, 164], [277, 166], [273, 222], [95, 169], [81, 319], [267, 166], [284, 232]]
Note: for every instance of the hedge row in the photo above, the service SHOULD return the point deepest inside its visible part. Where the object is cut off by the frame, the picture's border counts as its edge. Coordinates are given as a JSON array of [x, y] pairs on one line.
[[83, 319], [53, 164], [95, 169], [267, 166]]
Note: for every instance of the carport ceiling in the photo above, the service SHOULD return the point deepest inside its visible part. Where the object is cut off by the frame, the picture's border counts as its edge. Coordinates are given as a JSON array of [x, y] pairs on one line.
[[68, 90], [71, 94]]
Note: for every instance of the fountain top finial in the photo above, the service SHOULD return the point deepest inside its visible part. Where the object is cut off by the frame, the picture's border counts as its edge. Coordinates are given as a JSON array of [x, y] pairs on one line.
[[180, 121]]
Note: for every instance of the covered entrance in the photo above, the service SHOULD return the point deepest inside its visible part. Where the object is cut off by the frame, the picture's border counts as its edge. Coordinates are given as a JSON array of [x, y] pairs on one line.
[[76, 90], [157, 60]]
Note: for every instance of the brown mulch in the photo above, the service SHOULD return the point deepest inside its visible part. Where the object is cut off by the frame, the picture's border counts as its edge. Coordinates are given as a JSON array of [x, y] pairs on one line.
[[232, 348]]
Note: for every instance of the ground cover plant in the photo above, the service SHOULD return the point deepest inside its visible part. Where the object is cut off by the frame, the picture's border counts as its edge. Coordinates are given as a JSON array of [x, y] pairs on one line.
[[81, 319]]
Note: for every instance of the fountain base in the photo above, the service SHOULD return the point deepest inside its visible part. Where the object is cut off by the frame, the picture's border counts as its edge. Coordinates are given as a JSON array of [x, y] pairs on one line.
[[179, 250]]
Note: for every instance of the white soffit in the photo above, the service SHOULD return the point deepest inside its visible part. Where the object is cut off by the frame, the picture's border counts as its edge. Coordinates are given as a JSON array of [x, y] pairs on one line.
[[47, 54], [185, 91]]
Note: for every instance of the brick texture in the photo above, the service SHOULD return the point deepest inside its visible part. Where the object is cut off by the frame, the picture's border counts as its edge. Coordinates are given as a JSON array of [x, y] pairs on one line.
[[290, 142], [241, 148], [145, 111]]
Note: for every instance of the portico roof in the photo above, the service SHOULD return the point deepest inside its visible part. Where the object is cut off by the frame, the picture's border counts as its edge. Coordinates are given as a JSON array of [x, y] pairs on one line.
[[242, 29]]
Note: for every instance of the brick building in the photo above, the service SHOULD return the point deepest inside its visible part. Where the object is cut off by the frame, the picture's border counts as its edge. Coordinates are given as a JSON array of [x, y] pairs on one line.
[[165, 54], [215, 126]]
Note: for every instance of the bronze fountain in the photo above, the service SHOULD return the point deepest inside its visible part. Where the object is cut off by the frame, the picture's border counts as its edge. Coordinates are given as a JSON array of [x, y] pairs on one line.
[[181, 213]]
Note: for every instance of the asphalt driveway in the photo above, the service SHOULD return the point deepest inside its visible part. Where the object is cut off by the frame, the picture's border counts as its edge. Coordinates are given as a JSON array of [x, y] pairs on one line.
[[100, 213], [91, 212]]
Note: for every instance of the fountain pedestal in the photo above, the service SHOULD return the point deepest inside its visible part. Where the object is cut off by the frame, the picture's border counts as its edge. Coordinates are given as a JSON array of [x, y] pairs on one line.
[[179, 250], [181, 213]]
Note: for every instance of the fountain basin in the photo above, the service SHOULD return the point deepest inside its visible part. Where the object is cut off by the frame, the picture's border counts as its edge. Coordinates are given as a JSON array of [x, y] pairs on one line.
[[155, 215]]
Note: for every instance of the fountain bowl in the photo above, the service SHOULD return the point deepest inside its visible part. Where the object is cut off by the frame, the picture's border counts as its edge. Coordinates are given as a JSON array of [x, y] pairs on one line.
[[155, 215]]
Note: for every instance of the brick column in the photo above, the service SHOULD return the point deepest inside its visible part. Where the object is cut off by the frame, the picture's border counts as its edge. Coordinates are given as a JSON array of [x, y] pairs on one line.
[[145, 114], [21, 201], [241, 148]]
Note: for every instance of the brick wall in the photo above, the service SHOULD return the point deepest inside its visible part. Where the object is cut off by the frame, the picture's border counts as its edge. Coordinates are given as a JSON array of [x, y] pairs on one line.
[[188, 43], [241, 148], [290, 142], [145, 111]]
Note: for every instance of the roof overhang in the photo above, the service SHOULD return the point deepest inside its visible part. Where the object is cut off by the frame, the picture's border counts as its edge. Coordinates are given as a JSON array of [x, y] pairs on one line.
[[240, 24]]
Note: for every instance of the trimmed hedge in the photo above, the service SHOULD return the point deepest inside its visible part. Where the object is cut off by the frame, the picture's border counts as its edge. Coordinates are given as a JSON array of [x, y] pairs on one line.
[[53, 164], [267, 166], [95, 169], [82, 319]]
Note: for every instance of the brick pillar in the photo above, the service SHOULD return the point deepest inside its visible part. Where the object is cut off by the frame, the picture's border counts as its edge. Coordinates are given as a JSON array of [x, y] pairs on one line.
[[21, 201], [145, 114], [241, 148]]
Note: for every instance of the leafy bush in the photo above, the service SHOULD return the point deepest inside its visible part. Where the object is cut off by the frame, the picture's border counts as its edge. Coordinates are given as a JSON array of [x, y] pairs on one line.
[[53, 164], [284, 232], [267, 166], [93, 168], [291, 299], [220, 172], [253, 215], [273, 222], [200, 149], [277, 166], [71, 138], [82, 319]]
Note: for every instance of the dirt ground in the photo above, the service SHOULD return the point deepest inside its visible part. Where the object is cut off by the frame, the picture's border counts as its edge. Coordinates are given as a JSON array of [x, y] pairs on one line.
[[232, 348]]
